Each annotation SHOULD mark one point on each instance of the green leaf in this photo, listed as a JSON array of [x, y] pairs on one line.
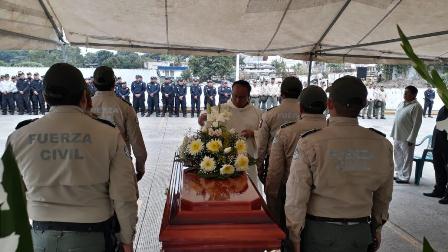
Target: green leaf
[[426, 246], [14, 220]]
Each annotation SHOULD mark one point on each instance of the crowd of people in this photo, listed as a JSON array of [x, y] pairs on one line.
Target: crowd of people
[[321, 176]]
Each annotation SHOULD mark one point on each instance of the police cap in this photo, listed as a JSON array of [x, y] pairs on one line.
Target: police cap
[[153, 78], [63, 81], [349, 91], [313, 97], [103, 76], [291, 87]]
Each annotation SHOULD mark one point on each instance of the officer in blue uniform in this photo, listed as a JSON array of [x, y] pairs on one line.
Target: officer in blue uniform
[[181, 93], [153, 97], [90, 86], [37, 96], [23, 97], [118, 86], [138, 88], [124, 92], [224, 92], [430, 94], [209, 94], [195, 93], [167, 90]]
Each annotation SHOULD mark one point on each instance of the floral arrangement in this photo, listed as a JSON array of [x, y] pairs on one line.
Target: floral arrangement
[[215, 151]]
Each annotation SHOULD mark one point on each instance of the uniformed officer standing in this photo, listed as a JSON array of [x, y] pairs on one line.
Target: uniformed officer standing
[[138, 88], [180, 93], [37, 96], [313, 102], [77, 172], [272, 93], [7, 88], [153, 97], [255, 94], [167, 91], [124, 92], [224, 92], [23, 97], [272, 120], [91, 87], [195, 93], [209, 94], [109, 107], [264, 94], [341, 177], [118, 84]]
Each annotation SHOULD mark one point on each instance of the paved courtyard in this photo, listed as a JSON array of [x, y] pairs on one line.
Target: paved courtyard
[[412, 216]]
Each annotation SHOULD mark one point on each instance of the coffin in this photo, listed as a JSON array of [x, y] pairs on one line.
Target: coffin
[[216, 215]]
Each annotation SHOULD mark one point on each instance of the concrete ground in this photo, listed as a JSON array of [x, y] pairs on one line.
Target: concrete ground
[[412, 216]]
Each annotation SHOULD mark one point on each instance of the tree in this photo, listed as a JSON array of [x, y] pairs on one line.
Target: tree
[[2, 63], [186, 75], [28, 64], [212, 67], [280, 68]]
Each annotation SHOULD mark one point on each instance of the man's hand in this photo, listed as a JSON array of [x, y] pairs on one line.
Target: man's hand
[[36, 93], [296, 247], [21, 92], [202, 118], [195, 97], [127, 247], [137, 95], [410, 144], [181, 97], [166, 95], [151, 94], [247, 133], [375, 245], [140, 175]]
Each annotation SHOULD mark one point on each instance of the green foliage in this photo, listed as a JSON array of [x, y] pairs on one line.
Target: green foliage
[[28, 64], [432, 77], [426, 246], [14, 220], [280, 68], [335, 67], [186, 74], [2, 63], [212, 67]]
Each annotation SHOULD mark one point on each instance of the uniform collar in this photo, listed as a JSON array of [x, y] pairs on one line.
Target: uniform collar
[[230, 104], [66, 109], [343, 121], [312, 116], [405, 103], [104, 93], [289, 100]]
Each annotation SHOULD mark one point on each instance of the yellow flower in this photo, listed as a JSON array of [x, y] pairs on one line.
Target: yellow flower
[[227, 169], [195, 147], [208, 164], [242, 163], [241, 147], [214, 145]]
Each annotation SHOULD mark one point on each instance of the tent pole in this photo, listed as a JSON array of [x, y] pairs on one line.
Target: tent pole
[[310, 62], [237, 67]]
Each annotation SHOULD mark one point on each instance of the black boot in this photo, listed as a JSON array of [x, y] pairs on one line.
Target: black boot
[[435, 194], [444, 200]]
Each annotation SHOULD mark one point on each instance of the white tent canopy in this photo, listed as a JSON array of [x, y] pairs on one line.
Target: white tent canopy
[[358, 31]]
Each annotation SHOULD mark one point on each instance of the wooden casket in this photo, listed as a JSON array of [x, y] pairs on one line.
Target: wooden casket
[[216, 215]]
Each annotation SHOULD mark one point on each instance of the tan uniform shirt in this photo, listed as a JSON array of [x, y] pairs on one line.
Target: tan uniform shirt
[[282, 150], [341, 171], [76, 169], [288, 111], [109, 107]]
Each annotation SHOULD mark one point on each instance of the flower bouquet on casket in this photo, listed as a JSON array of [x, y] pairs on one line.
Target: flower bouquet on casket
[[215, 151]]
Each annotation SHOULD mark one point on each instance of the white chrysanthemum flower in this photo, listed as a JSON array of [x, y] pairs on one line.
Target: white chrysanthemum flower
[[227, 170], [195, 147], [214, 145], [215, 124], [242, 163], [208, 164], [232, 131], [227, 150]]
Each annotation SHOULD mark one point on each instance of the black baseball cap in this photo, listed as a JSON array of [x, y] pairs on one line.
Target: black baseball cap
[[291, 86], [313, 97], [103, 76], [349, 91]]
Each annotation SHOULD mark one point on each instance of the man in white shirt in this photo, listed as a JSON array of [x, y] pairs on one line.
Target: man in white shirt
[[6, 88], [255, 94], [273, 93], [408, 120], [380, 102], [368, 108]]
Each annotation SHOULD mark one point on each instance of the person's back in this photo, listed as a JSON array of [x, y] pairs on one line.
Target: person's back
[[76, 170], [109, 107]]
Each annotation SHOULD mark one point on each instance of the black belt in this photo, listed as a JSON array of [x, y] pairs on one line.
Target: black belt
[[340, 220], [70, 226]]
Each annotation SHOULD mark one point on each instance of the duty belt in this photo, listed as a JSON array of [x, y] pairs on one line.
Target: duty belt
[[339, 221]]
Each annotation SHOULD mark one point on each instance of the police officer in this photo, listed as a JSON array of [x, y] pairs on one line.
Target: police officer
[[117, 87], [430, 94], [37, 96], [272, 120], [23, 96], [313, 102], [138, 88], [255, 94], [90, 86], [153, 97], [7, 88], [195, 92], [124, 91], [209, 94], [109, 107], [224, 92], [167, 91], [180, 94], [76, 171], [341, 177]]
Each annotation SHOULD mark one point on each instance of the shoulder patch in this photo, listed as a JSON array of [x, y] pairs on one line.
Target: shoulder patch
[[24, 123], [105, 122], [271, 108], [309, 132], [128, 103], [287, 124], [378, 132]]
